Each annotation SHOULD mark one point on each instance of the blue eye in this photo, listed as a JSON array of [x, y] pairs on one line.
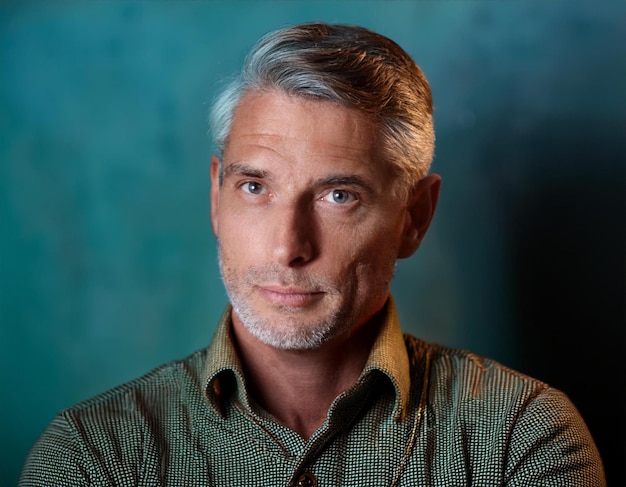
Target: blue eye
[[339, 196], [253, 187]]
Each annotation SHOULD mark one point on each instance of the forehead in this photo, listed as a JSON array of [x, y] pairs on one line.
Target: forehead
[[297, 128]]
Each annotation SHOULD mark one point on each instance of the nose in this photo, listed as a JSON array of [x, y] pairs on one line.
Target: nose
[[294, 235]]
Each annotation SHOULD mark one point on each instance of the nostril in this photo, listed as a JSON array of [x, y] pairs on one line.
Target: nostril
[[298, 261]]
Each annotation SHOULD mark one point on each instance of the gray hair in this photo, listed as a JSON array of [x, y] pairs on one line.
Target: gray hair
[[353, 67]]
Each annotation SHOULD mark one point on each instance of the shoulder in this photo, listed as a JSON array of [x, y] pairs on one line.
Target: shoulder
[[505, 421], [118, 428], [456, 375], [152, 390], [472, 376]]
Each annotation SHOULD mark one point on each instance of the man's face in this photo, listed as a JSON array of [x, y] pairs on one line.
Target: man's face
[[307, 224]]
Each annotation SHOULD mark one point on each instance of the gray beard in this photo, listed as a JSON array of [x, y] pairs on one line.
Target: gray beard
[[292, 337]]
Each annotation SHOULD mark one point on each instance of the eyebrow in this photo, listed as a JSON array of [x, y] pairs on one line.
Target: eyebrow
[[345, 180], [240, 169]]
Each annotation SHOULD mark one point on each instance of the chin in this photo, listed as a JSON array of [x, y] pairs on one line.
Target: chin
[[292, 332]]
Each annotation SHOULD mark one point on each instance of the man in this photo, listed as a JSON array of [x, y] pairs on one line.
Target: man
[[321, 184]]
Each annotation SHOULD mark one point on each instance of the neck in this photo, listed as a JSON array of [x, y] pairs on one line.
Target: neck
[[298, 386]]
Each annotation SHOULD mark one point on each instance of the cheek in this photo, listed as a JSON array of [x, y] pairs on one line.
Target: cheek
[[366, 256], [376, 242], [380, 255], [237, 244], [238, 227]]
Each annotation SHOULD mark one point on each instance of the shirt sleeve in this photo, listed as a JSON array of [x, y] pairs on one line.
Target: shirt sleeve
[[551, 446], [55, 459]]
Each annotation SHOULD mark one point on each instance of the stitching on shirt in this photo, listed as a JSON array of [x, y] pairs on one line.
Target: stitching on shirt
[[258, 423], [418, 418]]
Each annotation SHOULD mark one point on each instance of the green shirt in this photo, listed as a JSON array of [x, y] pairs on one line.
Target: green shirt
[[418, 415]]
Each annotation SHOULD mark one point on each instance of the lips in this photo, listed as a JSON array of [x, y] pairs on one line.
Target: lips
[[292, 297]]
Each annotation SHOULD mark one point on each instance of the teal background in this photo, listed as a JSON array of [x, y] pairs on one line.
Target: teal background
[[108, 264]]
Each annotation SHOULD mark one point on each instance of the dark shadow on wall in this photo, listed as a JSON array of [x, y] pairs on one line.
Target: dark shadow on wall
[[567, 239]]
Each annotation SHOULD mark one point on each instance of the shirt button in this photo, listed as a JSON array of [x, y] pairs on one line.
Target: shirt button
[[307, 479]]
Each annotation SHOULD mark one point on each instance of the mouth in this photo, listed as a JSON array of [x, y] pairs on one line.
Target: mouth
[[292, 297]]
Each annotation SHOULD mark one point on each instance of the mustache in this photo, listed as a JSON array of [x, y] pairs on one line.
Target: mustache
[[276, 275]]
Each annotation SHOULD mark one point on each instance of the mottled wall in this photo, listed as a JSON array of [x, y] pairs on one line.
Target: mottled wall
[[107, 259]]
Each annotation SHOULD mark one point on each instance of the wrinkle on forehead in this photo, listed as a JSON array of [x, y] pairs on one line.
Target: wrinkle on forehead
[[338, 129], [308, 148]]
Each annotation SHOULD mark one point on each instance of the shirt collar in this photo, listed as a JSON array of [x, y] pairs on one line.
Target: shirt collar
[[223, 370], [389, 356]]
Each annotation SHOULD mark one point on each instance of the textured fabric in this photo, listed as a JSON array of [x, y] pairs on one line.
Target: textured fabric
[[418, 415]]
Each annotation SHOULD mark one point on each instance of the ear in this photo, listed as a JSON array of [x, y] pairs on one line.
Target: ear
[[420, 211], [215, 193]]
